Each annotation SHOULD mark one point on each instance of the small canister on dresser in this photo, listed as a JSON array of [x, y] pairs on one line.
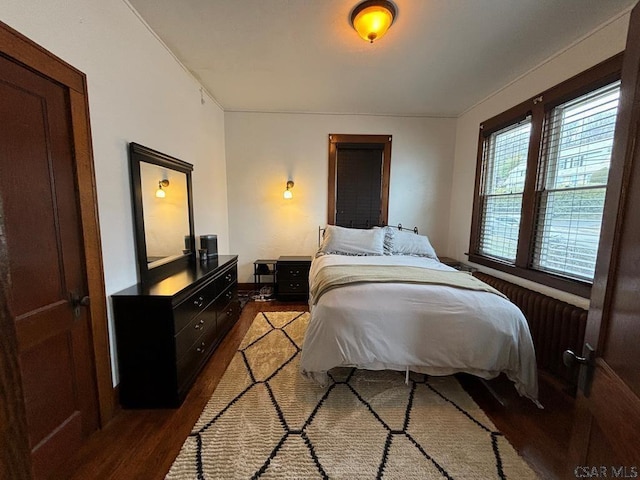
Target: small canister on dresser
[[210, 244]]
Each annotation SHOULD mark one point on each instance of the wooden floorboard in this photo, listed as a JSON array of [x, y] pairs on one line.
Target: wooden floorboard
[[541, 436], [142, 444]]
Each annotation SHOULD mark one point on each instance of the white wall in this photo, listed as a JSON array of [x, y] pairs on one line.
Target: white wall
[[591, 50], [264, 150], [137, 92]]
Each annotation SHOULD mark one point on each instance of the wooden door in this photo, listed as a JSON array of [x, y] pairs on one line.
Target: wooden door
[[46, 265], [359, 169], [605, 439]]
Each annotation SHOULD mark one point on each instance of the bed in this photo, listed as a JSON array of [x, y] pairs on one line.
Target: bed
[[380, 299]]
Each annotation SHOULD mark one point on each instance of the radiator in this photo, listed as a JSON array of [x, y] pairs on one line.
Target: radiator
[[555, 326]]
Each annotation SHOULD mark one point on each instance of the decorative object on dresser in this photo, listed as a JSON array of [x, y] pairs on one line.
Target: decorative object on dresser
[[166, 330], [210, 244], [293, 277]]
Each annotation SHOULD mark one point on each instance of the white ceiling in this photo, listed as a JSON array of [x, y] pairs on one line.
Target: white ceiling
[[439, 58]]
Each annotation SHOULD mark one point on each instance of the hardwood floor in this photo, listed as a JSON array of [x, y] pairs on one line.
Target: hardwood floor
[[541, 436], [142, 444]]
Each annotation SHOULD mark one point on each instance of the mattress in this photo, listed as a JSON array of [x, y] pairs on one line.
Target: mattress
[[426, 328]]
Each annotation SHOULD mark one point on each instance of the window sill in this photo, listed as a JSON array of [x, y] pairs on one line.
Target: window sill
[[575, 287]]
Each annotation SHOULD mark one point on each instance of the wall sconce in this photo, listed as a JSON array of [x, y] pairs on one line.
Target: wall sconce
[[160, 193], [372, 18], [287, 193]]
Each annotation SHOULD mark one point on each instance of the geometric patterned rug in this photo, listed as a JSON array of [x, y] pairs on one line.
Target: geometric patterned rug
[[265, 420]]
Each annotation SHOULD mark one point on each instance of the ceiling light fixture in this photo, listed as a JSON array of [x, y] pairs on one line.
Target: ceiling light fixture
[[372, 18]]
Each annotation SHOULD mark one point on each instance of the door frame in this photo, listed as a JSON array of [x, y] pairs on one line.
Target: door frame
[[20, 49]]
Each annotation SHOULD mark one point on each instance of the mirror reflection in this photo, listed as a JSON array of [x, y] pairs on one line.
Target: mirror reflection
[[166, 211], [162, 212]]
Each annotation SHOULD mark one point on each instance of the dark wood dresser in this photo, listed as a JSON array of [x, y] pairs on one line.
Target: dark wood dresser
[[292, 275], [166, 330]]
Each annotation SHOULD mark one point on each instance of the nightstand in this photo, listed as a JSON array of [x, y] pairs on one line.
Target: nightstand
[[292, 275], [263, 268], [457, 264]]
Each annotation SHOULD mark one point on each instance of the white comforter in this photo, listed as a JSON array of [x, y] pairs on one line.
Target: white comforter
[[432, 329]]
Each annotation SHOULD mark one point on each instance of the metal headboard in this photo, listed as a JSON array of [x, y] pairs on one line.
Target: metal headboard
[[321, 231], [414, 229]]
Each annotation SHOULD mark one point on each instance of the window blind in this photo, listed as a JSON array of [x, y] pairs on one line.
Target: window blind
[[504, 166], [359, 187], [572, 181]]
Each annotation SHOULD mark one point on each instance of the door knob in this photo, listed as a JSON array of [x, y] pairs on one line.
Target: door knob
[[570, 359], [78, 301]]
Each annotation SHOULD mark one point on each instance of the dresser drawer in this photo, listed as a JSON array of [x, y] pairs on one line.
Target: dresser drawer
[[228, 295], [188, 364], [293, 286], [193, 305], [289, 273], [222, 303], [226, 280], [188, 335], [227, 316]]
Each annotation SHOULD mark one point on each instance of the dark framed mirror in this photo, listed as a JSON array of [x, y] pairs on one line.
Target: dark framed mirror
[[162, 212]]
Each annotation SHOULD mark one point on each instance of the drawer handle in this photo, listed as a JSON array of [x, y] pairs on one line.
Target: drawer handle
[[294, 272], [200, 349], [228, 277], [229, 294], [294, 285], [199, 302], [199, 325]]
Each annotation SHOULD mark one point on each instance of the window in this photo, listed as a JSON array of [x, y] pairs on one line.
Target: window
[[505, 161], [573, 183], [542, 178]]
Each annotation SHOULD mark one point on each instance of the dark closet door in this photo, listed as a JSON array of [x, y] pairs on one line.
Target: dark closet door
[[605, 435], [46, 265]]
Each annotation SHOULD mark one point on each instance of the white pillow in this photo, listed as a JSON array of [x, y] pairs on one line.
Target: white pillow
[[352, 241], [388, 239], [409, 243]]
